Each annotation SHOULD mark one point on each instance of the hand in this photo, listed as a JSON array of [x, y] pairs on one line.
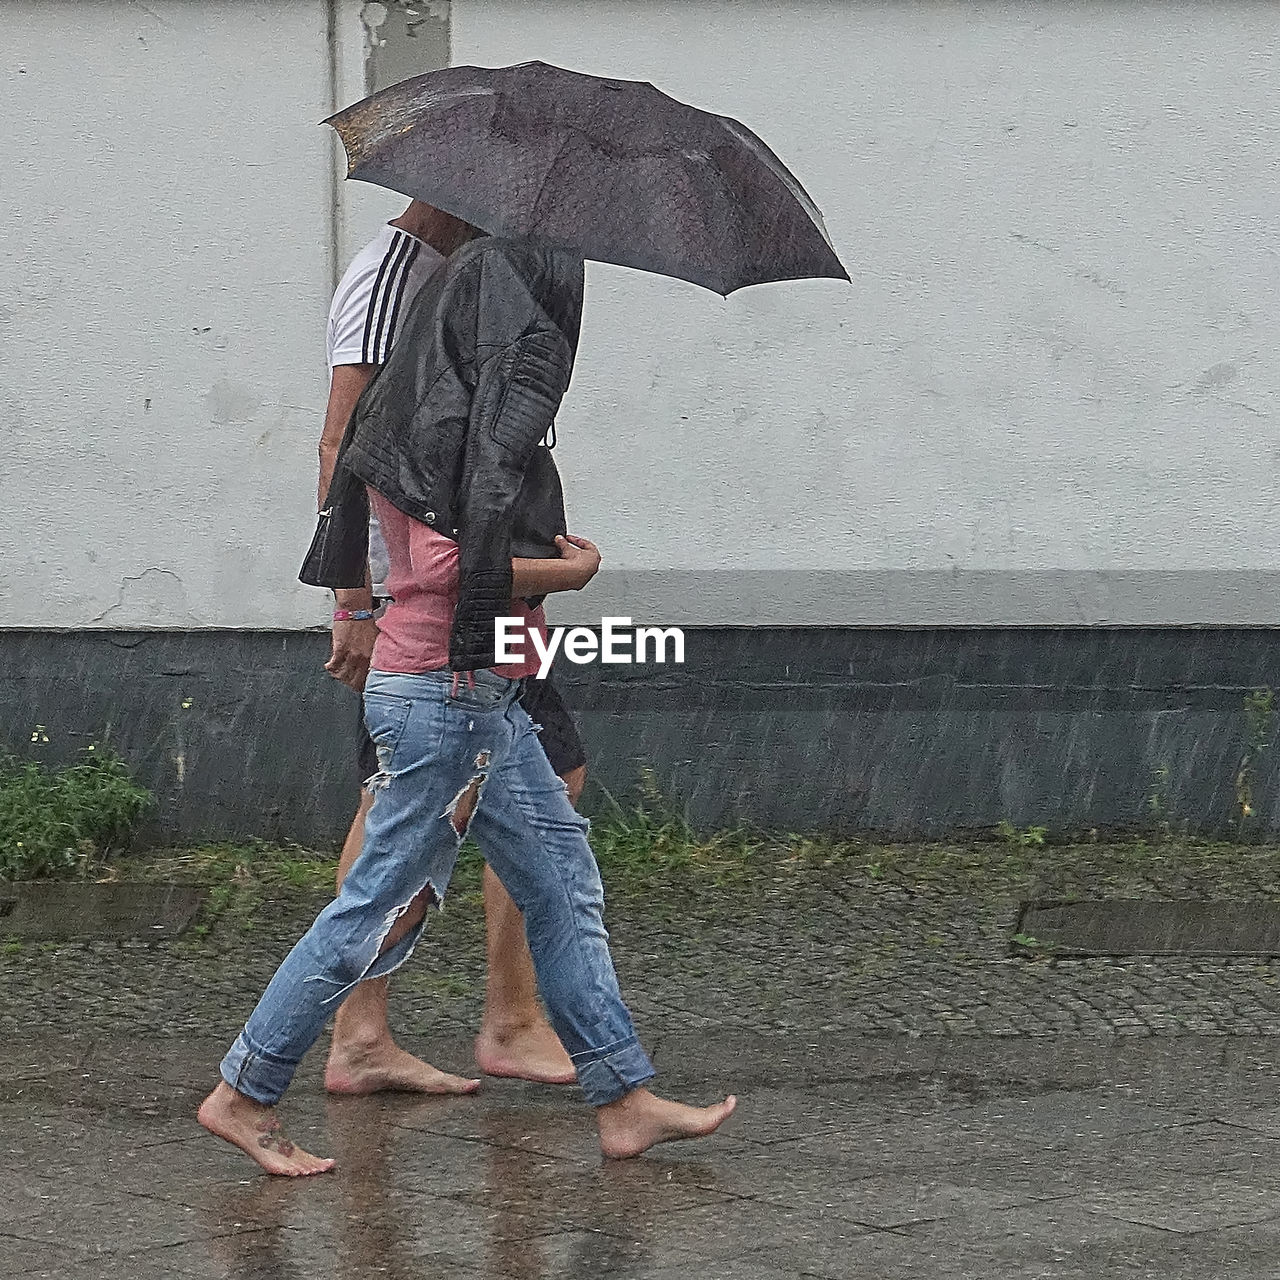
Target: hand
[[352, 650], [581, 558]]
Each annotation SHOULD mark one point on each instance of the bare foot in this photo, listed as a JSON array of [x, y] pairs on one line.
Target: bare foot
[[385, 1066], [528, 1052], [256, 1130], [641, 1120]]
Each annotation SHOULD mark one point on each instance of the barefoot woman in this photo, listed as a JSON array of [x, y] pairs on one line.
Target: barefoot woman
[[483, 362]]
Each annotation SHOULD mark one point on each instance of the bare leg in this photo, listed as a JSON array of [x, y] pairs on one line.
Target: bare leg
[[515, 1037], [642, 1120], [574, 781], [255, 1128], [363, 1058]]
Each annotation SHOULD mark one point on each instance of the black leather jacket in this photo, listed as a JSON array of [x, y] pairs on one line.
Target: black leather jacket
[[450, 429]]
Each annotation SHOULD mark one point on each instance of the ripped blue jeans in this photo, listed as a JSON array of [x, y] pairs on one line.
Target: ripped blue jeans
[[440, 749]]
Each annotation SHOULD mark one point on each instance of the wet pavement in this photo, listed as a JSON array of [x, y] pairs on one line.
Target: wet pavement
[[850, 1156], [917, 1100]]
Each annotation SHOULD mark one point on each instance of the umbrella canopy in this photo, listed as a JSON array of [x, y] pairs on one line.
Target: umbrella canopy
[[614, 170]]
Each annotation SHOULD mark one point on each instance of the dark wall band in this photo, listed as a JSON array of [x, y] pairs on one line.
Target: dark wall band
[[903, 732]]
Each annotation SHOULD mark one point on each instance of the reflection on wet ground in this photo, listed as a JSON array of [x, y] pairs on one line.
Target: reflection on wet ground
[[850, 1156], [916, 1101]]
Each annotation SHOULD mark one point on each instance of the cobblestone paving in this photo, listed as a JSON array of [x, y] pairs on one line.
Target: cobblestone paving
[[823, 951], [917, 1100]]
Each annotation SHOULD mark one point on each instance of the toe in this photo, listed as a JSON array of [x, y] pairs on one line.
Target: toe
[[455, 1084]]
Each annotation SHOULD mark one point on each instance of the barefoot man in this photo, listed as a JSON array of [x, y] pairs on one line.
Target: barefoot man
[[515, 1038], [447, 446]]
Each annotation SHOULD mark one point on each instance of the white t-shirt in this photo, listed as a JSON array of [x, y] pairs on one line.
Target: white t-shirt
[[378, 288]]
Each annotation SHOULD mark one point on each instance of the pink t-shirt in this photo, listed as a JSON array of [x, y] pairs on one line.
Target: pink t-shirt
[[422, 576]]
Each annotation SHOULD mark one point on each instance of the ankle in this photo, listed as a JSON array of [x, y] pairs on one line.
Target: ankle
[[629, 1101], [360, 1042], [510, 1026], [228, 1099]]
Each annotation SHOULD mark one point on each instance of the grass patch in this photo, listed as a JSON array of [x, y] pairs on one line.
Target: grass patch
[[648, 849], [651, 841], [638, 848], [264, 867], [240, 878], [55, 822]]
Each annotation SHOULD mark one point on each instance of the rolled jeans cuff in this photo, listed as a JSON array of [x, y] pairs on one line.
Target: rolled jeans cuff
[[606, 1077], [255, 1073]]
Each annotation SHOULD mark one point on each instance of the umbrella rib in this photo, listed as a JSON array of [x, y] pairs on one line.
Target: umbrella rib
[[546, 177]]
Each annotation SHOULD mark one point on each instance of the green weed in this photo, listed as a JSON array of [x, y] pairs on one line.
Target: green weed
[[1027, 838], [58, 821], [1259, 715], [1158, 802], [1032, 946], [650, 839]]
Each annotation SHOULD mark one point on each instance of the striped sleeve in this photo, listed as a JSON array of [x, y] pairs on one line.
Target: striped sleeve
[[366, 319]]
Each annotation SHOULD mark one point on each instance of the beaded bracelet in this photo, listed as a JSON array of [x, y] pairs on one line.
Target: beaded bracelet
[[352, 615]]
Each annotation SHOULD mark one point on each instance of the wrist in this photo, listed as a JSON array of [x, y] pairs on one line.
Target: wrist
[[353, 615], [353, 598]]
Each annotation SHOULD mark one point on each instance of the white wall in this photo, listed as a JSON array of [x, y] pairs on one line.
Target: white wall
[[165, 264], [1049, 391], [1047, 396]]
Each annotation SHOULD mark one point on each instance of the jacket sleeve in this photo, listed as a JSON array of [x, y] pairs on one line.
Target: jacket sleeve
[[516, 398]]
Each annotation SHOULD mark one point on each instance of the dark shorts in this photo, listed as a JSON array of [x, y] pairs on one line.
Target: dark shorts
[[541, 699]]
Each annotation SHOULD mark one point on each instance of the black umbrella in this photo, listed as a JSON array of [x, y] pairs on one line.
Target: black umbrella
[[614, 170]]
